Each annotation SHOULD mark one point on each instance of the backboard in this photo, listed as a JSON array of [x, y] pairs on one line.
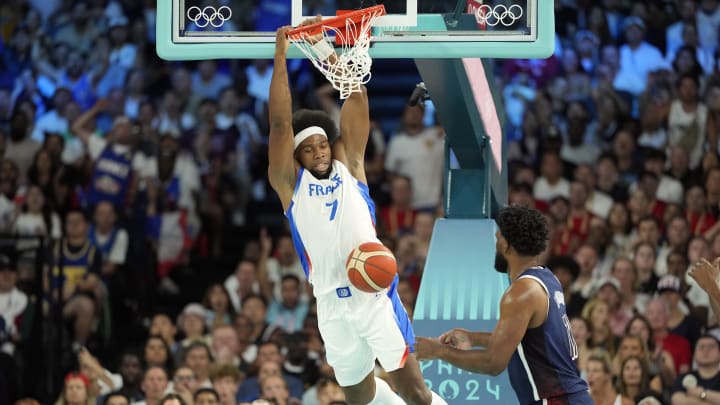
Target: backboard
[[245, 29]]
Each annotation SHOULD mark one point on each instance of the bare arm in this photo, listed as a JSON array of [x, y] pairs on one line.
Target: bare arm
[[655, 114], [481, 339], [682, 398], [266, 285], [354, 132], [281, 170], [712, 130], [517, 309], [90, 363], [707, 275], [79, 127]]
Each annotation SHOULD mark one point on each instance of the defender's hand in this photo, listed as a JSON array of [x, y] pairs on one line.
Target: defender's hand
[[458, 338], [427, 348]]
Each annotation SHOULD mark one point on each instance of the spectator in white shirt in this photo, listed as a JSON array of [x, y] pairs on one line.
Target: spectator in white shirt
[[551, 183], [243, 282], [708, 21], [687, 119], [417, 151], [598, 203], [112, 240], [673, 33], [20, 147], [669, 190], [37, 218], [273, 266], [695, 58], [123, 52], [54, 120], [637, 58], [13, 303], [207, 82]]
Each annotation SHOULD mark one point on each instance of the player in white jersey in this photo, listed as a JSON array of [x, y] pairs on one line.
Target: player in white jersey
[[320, 179]]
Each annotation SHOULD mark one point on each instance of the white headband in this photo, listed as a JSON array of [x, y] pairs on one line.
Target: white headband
[[308, 132]]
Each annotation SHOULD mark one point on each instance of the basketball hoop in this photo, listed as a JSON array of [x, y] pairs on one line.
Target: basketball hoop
[[349, 69]]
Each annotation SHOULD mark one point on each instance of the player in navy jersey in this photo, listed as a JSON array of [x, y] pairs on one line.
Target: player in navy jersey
[[532, 338]]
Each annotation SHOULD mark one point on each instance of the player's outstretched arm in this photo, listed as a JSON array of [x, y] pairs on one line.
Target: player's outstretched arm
[[516, 310], [281, 170], [354, 132]]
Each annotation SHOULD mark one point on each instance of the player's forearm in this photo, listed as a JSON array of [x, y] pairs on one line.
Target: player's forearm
[[481, 339], [477, 361], [280, 105]]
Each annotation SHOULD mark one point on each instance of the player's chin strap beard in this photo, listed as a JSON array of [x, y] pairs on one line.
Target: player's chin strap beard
[[321, 176]]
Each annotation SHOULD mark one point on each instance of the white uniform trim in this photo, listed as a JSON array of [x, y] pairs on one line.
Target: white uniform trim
[[547, 312], [531, 380], [307, 133]]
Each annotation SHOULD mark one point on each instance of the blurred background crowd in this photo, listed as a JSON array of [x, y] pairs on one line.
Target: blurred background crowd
[[142, 252]]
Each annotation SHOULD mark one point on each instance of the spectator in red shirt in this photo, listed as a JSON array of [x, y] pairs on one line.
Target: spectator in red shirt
[[398, 217], [657, 313]]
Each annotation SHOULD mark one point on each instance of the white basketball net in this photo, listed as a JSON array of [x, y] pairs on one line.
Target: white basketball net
[[350, 69]]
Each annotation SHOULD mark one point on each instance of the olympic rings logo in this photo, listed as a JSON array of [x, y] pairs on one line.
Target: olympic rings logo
[[500, 14], [209, 16]]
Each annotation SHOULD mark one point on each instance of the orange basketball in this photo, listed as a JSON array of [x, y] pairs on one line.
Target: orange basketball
[[371, 267]]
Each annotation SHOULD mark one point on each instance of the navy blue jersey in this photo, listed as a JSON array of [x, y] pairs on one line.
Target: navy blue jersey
[[543, 369], [111, 177]]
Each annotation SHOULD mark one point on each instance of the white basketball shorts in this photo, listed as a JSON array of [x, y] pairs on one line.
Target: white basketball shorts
[[359, 327]]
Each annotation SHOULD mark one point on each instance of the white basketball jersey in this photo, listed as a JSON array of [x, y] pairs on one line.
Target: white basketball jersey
[[328, 219]]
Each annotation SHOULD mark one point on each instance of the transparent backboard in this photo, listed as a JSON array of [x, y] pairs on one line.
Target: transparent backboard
[[245, 29]]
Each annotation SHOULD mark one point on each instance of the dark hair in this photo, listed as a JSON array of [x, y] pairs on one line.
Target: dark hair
[[646, 173], [290, 277], [608, 156], [206, 297], [525, 229], [170, 396], [129, 352], [195, 345], [79, 211], [644, 380], [255, 296], [649, 218], [169, 361], [46, 210], [564, 262], [707, 336], [210, 391], [115, 394], [655, 154], [695, 72], [521, 187], [219, 371], [304, 118], [651, 341]]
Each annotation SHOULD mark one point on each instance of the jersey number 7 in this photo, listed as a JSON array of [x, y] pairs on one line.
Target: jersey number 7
[[334, 205]]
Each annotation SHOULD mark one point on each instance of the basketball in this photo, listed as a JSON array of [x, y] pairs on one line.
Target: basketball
[[371, 267]]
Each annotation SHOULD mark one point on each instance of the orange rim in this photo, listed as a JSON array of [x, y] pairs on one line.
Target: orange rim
[[338, 22]]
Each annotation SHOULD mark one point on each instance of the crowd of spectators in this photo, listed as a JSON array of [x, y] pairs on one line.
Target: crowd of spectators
[[120, 171]]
